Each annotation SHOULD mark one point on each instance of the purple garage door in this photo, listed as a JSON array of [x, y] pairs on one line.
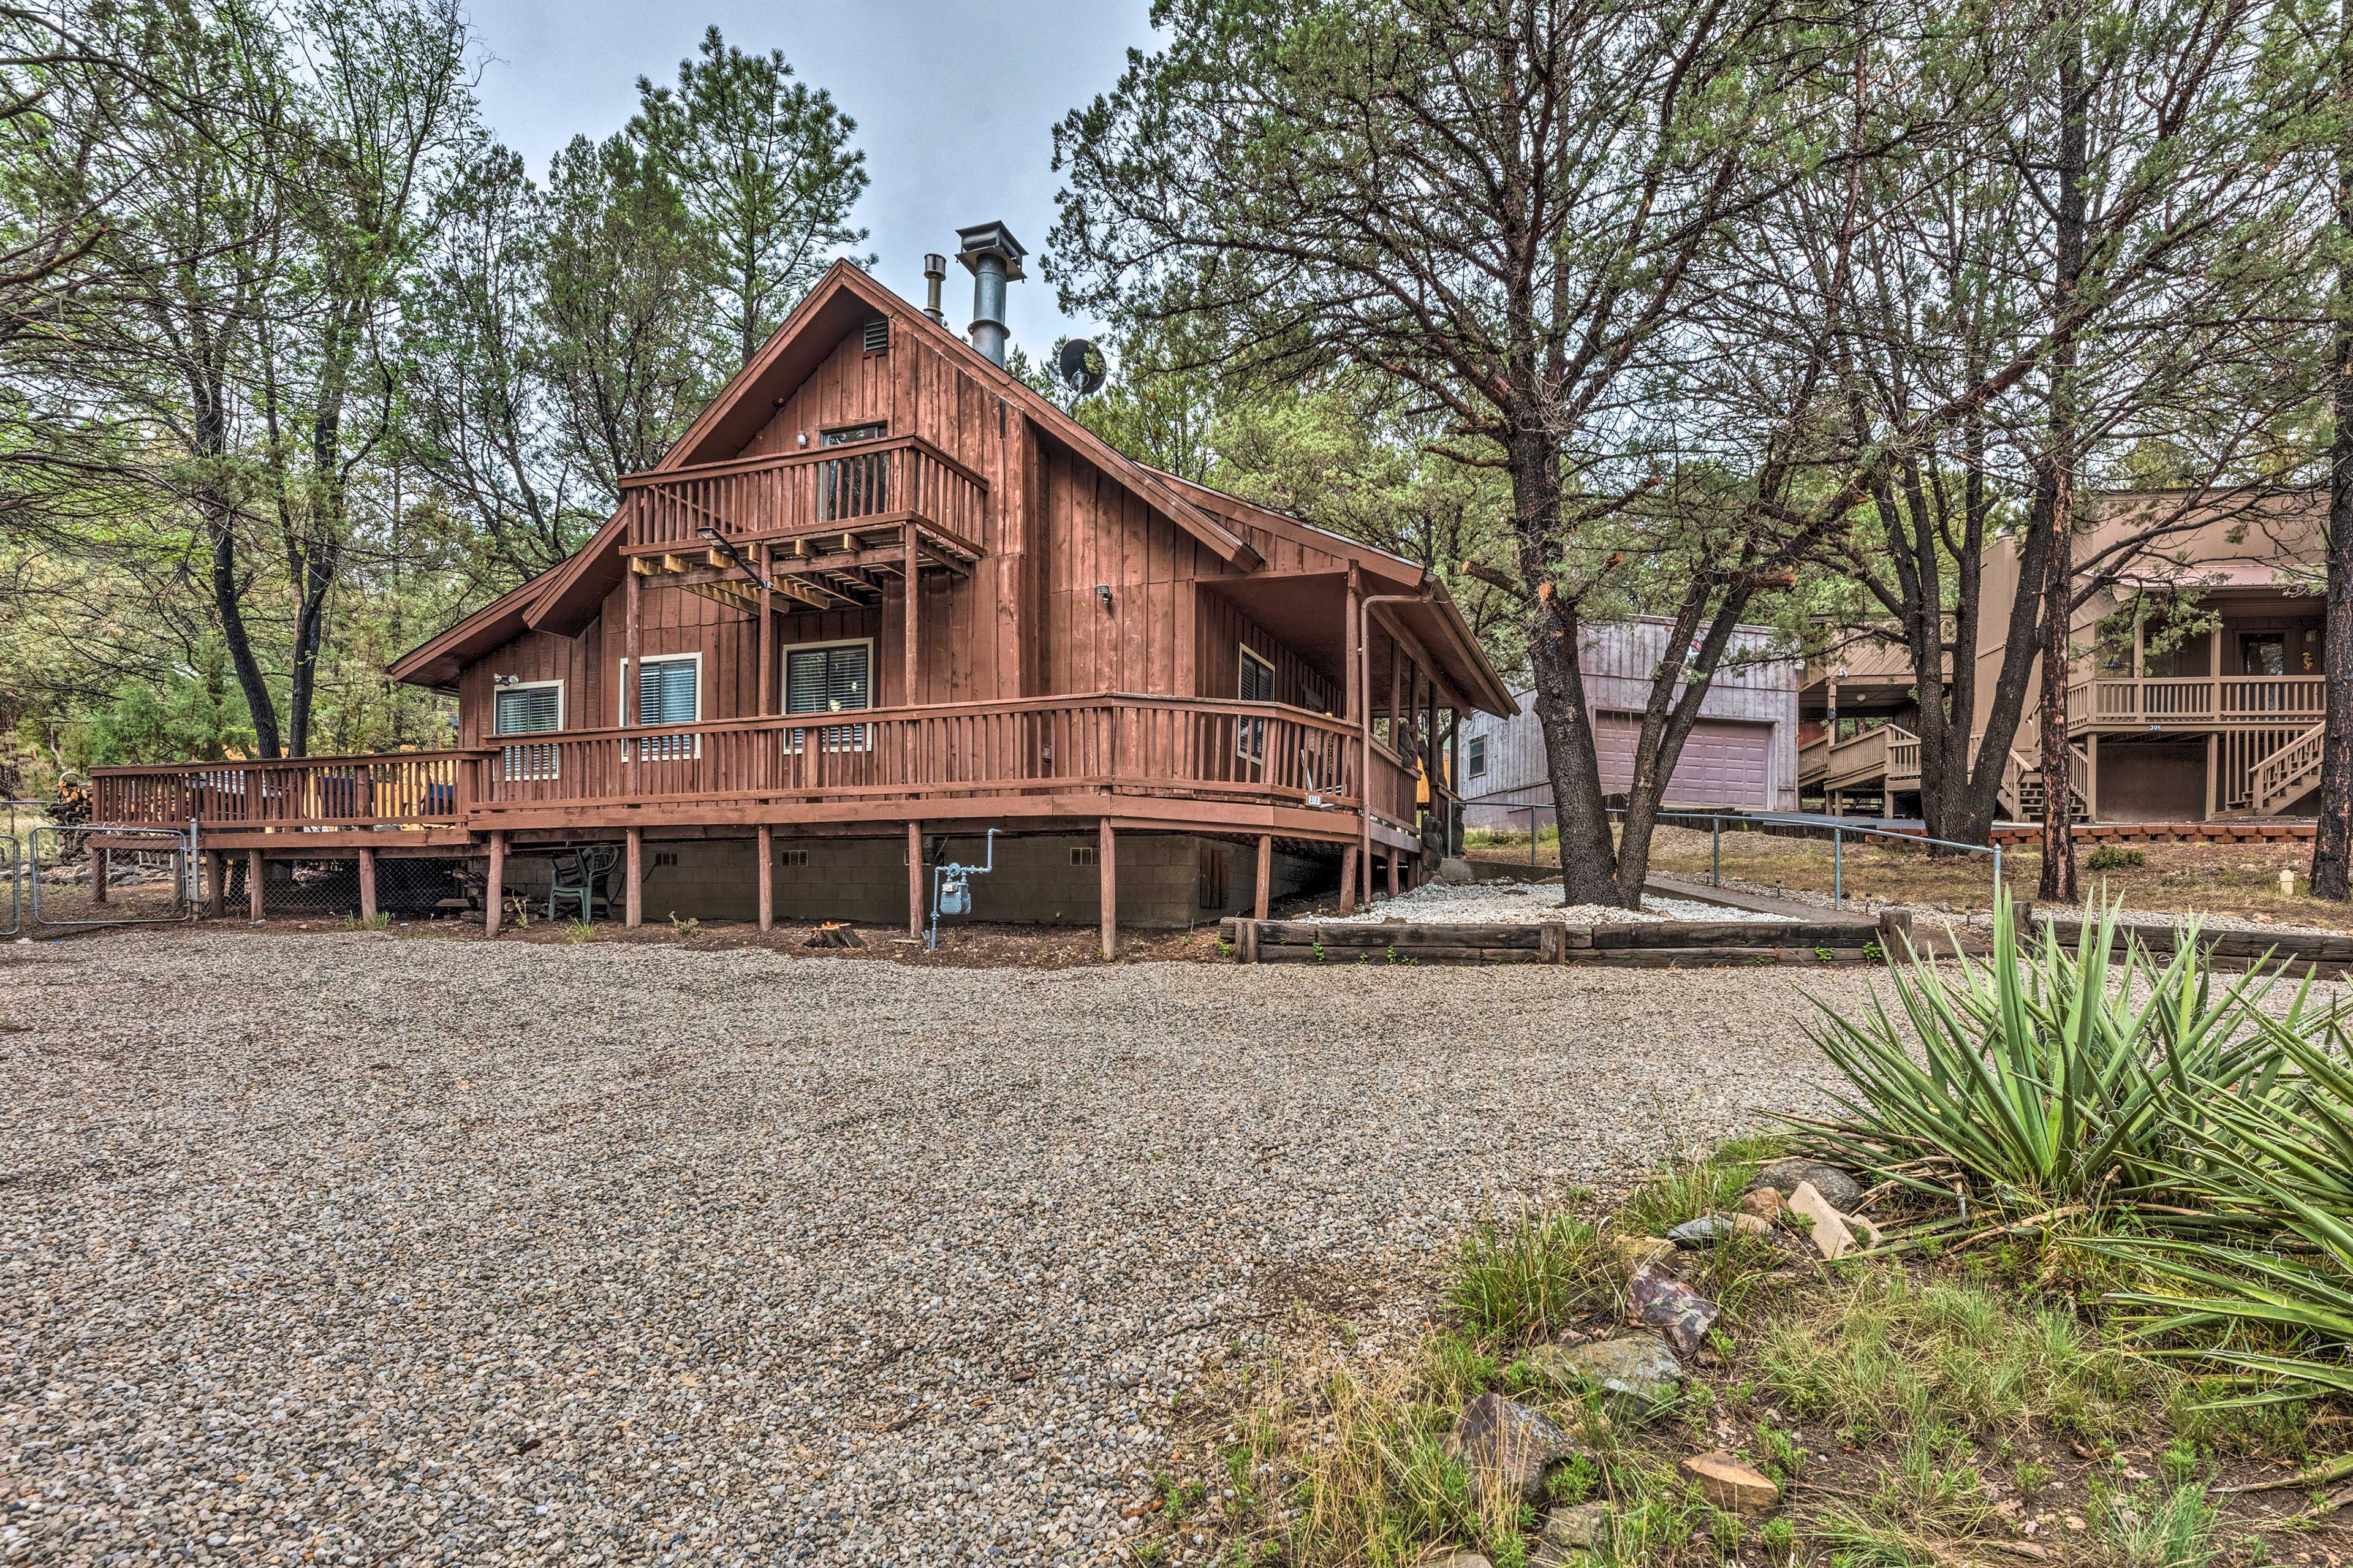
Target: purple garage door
[[1724, 763]]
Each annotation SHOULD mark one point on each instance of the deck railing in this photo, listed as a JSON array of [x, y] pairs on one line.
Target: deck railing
[[1885, 752], [869, 483], [1135, 743], [400, 790], [2196, 700]]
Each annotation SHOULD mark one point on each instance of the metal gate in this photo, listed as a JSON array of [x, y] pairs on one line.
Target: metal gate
[[97, 876], [12, 911]]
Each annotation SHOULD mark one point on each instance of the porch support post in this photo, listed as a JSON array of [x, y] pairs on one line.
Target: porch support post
[[768, 695], [1265, 874], [764, 837], [633, 876], [494, 889], [1107, 872], [253, 884], [2092, 776], [632, 635], [1348, 880], [913, 594], [97, 875], [915, 878], [1393, 856], [368, 886], [216, 884], [2213, 774]]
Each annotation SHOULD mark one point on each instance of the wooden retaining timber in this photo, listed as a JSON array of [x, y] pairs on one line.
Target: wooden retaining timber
[[1688, 944]]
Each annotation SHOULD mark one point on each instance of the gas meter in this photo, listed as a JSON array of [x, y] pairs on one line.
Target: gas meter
[[952, 890]]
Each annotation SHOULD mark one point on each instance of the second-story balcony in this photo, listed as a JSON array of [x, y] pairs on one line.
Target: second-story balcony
[[2195, 702]]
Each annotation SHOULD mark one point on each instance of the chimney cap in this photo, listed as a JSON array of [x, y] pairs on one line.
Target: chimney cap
[[934, 265], [990, 238]]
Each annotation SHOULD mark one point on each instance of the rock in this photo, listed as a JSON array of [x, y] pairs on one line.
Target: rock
[[1640, 1366], [1764, 1202], [1841, 1190], [1456, 871], [1829, 1232], [1633, 1253], [1660, 1301], [1727, 1483], [1706, 1231], [1865, 1230], [1749, 1224], [1509, 1441], [1567, 1530], [1460, 1559]]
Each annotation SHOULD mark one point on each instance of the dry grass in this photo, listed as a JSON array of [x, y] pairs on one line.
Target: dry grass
[[2236, 879]]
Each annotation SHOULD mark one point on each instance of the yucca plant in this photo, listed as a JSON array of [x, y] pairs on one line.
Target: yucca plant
[[2297, 1134], [2050, 1079]]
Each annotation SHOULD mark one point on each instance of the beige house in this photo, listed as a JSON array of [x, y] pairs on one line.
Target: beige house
[[2196, 690]]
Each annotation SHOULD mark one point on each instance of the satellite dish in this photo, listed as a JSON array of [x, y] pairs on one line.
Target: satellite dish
[[1082, 366]]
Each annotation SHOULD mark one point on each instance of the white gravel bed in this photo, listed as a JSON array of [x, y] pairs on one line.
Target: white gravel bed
[[384, 1251], [1527, 903]]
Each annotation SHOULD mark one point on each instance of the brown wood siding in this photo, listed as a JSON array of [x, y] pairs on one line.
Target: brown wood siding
[[535, 656], [1222, 632]]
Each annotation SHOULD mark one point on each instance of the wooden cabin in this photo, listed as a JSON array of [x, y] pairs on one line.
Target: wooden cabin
[[881, 597]]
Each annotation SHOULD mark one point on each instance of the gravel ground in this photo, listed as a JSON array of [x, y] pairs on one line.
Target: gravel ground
[[1525, 903], [377, 1251]]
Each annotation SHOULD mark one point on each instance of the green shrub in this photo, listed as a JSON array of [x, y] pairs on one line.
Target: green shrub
[[2113, 858], [1528, 1278]]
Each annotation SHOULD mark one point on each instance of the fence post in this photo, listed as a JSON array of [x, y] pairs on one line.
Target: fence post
[[1715, 849], [1837, 867]]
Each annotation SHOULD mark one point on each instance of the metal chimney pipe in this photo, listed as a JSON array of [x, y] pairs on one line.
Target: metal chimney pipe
[[935, 272], [994, 258]]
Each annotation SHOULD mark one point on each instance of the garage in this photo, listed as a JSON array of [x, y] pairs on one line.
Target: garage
[[1726, 762]]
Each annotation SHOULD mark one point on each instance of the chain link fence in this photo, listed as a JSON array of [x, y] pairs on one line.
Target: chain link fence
[[324, 887], [94, 876]]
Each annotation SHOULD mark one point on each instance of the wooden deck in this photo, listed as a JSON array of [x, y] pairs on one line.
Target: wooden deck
[[1157, 761]]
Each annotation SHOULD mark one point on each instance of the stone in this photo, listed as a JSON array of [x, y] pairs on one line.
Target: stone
[[1841, 1190], [1566, 1530], [1750, 1225], [1865, 1230], [1831, 1236], [1706, 1231], [1514, 1442], [1460, 1560], [1638, 1366], [1633, 1253], [1456, 871], [1764, 1202], [1727, 1483], [1658, 1300]]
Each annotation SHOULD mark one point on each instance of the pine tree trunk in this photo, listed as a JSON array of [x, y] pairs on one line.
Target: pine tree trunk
[[2057, 482], [2332, 843]]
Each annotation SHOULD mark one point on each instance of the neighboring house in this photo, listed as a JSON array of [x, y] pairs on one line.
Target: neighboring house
[[1742, 755], [1156, 689], [2225, 722]]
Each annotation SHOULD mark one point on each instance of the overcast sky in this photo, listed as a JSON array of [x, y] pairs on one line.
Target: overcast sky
[[956, 102]]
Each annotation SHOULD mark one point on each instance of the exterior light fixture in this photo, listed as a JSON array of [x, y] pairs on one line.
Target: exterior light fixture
[[1102, 591]]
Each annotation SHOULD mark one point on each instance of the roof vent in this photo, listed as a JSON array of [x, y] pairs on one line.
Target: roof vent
[[994, 258], [878, 335]]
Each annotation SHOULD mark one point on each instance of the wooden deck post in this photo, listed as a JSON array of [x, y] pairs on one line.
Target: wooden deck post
[[765, 838], [633, 870], [913, 595], [97, 875], [253, 884], [216, 884], [494, 888], [367, 887], [1107, 872], [1348, 880], [1393, 858], [631, 637], [1265, 874], [2091, 776], [769, 694], [915, 878], [2213, 774]]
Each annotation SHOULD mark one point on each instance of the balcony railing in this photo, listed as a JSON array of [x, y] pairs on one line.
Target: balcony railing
[[869, 485], [2196, 700], [407, 789], [1885, 752]]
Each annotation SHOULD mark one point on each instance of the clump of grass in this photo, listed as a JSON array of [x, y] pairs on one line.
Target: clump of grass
[[1698, 1184], [580, 931], [2152, 1526], [1899, 1357], [1528, 1277]]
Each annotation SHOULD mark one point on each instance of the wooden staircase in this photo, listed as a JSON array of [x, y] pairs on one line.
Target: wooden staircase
[[2282, 774], [2021, 787]]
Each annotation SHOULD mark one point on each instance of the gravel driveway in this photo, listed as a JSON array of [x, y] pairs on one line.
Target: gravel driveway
[[378, 1251]]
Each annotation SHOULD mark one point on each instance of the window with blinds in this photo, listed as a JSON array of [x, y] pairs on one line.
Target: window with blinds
[[1474, 757], [1257, 686], [835, 678], [529, 711], [669, 693]]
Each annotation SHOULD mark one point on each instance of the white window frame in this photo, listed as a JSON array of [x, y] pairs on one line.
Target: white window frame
[[1249, 734], [507, 759], [863, 737], [1474, 759], [621, 699]]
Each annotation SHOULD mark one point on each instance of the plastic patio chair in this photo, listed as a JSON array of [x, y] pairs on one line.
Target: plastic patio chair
[[580, 877]]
